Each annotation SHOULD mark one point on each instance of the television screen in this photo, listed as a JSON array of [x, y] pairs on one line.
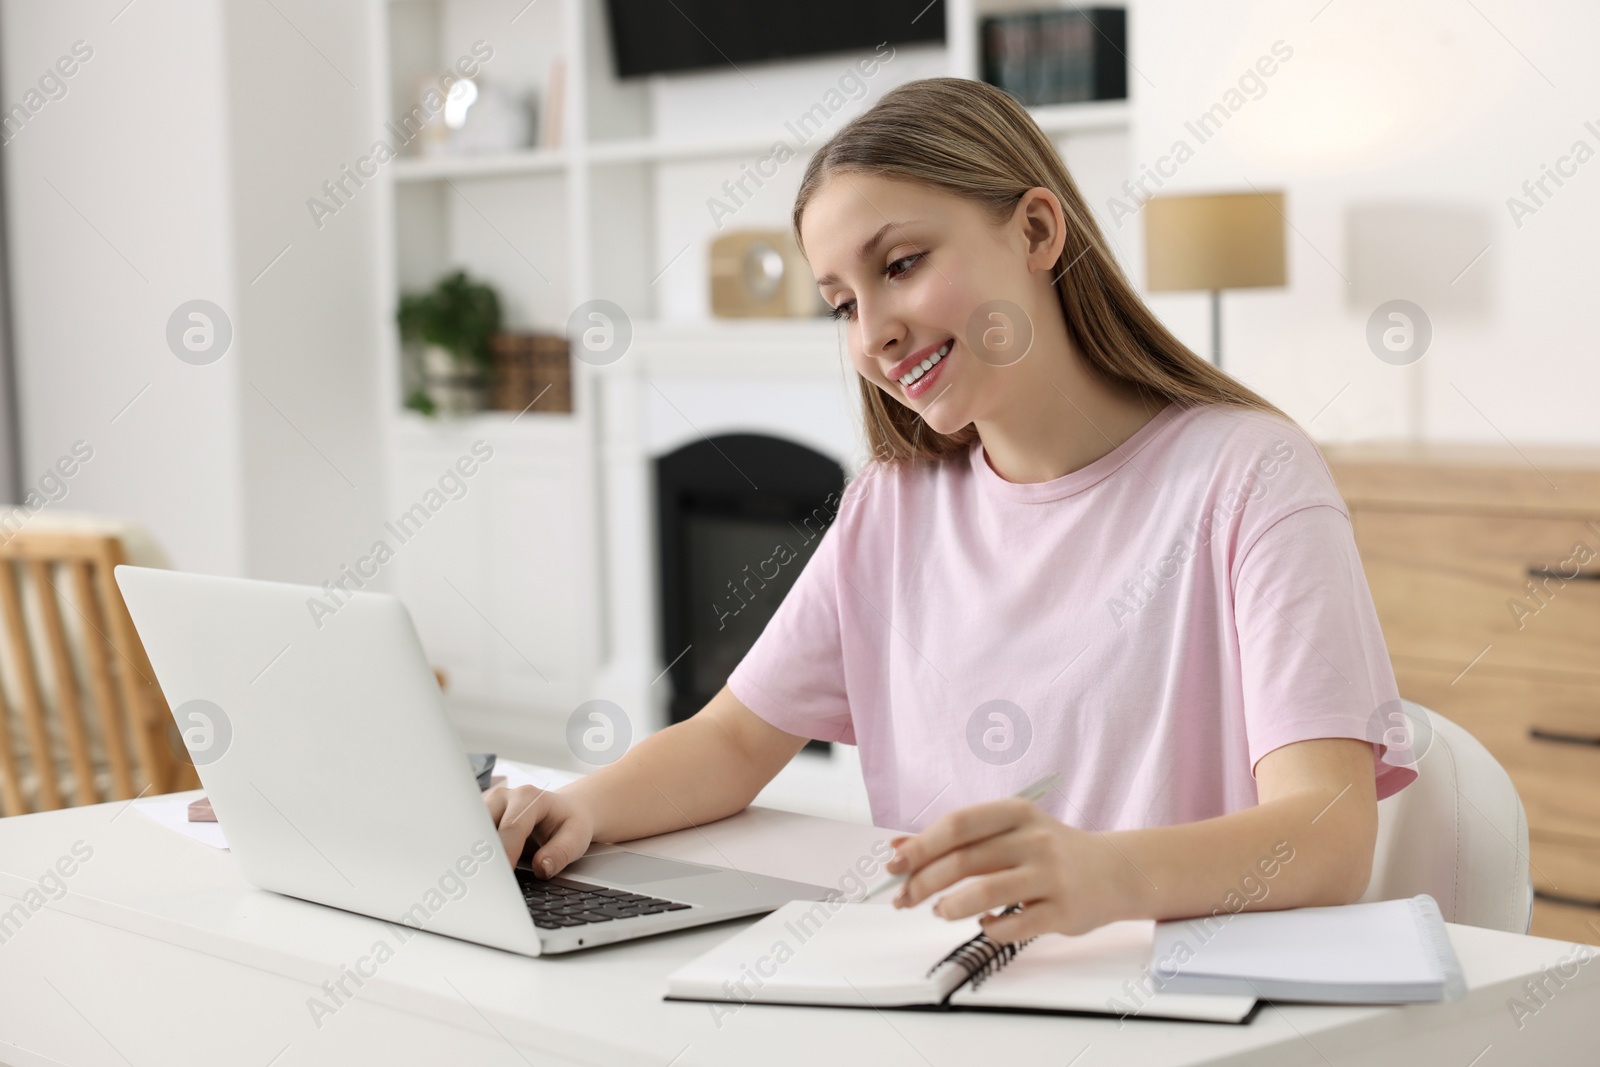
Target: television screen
[[657, 36]]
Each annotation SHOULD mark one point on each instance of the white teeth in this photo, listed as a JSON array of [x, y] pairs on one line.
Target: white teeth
[[925, 366]]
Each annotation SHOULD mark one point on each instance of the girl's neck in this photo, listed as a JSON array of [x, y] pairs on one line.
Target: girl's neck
[[1060, 417]]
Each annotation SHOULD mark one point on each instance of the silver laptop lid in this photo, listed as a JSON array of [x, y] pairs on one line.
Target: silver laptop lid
[[323, 744]]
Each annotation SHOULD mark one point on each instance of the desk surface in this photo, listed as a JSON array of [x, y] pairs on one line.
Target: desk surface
[[160, 953]]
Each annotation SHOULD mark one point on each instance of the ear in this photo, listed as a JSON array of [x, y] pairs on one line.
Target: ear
[[1043, 226]]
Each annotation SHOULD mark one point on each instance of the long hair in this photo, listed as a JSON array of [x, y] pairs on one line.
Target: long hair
[[975, 141]]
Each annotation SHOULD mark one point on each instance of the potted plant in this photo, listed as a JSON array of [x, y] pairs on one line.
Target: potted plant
[[453, 321]]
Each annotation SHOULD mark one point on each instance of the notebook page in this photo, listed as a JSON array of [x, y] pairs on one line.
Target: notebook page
[[1101, 971], [807, 953], [1384, 943]]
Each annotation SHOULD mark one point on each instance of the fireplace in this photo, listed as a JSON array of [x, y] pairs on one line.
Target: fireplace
[[738, 517]]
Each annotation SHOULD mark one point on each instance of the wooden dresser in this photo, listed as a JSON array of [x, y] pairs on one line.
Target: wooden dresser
[[1465, 549]]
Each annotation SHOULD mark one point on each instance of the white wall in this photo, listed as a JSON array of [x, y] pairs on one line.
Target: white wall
[[1448, 104], [118, 205], [310, 402], [181, 157]]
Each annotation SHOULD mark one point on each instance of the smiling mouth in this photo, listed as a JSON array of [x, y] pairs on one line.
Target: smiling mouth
[[920, 369]]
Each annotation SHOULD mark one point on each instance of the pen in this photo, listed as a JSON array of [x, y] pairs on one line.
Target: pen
[[1035, 791]]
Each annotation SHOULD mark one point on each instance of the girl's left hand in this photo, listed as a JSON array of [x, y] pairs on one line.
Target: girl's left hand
[[1067, 880]]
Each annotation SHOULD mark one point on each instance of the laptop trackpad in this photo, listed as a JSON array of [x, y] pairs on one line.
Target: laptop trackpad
[[632, 868]]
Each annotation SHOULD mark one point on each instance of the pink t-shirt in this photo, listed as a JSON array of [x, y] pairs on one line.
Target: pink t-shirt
[[1150, 625]]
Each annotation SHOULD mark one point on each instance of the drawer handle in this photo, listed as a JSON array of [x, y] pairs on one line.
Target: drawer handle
[[1543, 571], [1557, 898], [1537, 734]]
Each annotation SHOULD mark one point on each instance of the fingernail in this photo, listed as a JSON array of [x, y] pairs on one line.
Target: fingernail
[[545, 865]]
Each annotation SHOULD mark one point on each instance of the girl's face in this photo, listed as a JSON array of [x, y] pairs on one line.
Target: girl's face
[[919, 275]]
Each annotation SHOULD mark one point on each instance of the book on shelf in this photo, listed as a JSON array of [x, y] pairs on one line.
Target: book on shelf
[[531, 371], [555, 105]]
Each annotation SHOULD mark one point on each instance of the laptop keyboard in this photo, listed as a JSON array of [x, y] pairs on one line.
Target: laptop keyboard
[[554, 906]]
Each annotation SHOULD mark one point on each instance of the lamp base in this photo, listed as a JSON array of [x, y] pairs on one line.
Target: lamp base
[[1216, 328]]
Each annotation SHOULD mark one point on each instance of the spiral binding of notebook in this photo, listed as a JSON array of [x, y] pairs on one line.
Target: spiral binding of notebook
[[981, 956]]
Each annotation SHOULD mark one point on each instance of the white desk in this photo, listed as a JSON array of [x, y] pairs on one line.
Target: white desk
[[160, 954]]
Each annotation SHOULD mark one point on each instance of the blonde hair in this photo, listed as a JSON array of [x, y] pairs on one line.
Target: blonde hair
[[975, 141]]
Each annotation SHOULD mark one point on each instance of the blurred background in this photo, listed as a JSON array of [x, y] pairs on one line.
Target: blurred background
[[491, 303]]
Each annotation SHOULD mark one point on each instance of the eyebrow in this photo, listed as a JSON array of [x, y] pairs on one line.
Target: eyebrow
[[868, 246]]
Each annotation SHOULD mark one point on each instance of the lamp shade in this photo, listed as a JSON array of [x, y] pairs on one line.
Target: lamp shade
[[1216, 241]]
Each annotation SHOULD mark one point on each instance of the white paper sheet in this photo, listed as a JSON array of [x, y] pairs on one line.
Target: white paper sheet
[[172, 811]]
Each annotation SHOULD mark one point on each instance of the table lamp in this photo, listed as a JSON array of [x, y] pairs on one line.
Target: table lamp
[[1214, 242]]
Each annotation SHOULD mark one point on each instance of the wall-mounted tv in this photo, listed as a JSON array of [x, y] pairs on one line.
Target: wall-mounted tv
[[657, 36]]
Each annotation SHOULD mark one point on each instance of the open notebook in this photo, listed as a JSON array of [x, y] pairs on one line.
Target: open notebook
[[872, 955]]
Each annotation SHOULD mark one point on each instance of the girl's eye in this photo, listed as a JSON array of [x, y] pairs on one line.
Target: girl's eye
[[911, 259], [843, 311]]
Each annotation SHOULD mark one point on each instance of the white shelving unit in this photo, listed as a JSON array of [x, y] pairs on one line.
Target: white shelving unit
[[507, 589]]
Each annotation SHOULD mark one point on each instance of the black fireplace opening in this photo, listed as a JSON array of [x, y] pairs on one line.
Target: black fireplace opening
[[739, 516]]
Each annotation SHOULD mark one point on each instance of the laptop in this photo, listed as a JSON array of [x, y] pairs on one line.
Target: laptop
[[323, 744]]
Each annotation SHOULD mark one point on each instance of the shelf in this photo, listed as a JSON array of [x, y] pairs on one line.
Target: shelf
[[563, 429], [652, 150], [1054, 119], [481, 165]]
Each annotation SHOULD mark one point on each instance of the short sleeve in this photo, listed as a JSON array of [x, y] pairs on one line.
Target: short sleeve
[[794, 674], [1313, 662]]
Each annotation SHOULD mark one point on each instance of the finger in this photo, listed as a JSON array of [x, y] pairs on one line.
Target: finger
[[495, 800], [521, 801], [1019, 926], [962, 827], [564, 846], [993, 854], [1017, 885], [1031, 922], [498, 798], [522, 814]]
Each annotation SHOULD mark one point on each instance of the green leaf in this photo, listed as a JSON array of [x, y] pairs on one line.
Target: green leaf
[[458, 314], [419, 401]]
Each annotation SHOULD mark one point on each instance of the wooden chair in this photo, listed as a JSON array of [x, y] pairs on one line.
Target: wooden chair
[[74, 677]]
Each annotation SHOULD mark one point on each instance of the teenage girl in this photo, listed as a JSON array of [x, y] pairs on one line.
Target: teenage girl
[[1078, 548]]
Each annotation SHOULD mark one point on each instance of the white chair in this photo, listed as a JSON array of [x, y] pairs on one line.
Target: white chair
[[1457, 833]]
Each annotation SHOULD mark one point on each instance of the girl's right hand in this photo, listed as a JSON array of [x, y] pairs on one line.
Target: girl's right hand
[[562, 825]]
